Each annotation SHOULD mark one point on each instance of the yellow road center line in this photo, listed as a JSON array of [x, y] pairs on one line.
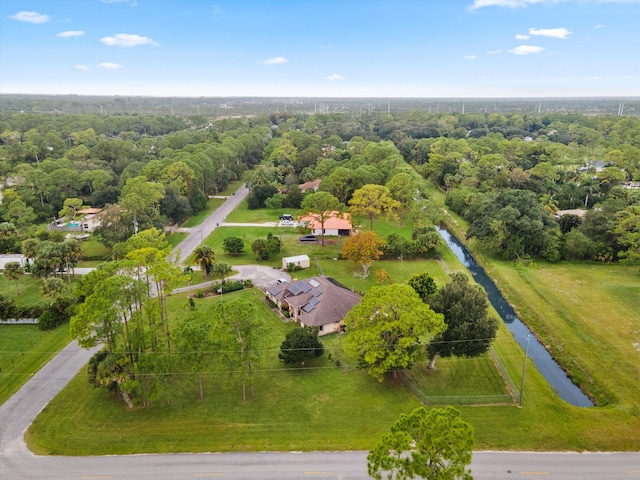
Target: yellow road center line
[[534, 473], [634, 472]]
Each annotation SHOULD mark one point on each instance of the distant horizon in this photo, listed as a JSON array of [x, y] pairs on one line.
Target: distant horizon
[[585, 97]]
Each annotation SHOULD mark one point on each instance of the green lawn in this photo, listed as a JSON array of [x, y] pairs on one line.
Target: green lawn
[[29, 287], [236, 184], [197, 219], [321, 407], [175, 238], [93, 253], [587, 313], [23, 351]]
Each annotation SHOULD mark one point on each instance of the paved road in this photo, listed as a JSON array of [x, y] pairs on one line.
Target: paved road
[[198, 234], [17, 413], [327, 465]]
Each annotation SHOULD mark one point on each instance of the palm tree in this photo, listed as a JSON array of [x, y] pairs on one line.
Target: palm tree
[[13, 271], [205, 257], [52, 287]]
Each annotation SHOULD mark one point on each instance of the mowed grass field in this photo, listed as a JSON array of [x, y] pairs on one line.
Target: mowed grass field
[[589, 317], [321, 407], [23, 351]]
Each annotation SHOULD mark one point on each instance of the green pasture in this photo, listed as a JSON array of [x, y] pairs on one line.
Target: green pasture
[[589, 316], [23, 351]]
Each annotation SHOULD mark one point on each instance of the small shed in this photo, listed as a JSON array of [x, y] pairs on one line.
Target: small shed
[[301, 261]]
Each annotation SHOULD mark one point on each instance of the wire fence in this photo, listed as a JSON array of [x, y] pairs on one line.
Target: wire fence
[[511, 398]]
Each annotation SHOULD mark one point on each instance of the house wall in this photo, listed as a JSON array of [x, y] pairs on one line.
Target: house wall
[[306, 263], [328, 232], [4, 259], [328, 328]]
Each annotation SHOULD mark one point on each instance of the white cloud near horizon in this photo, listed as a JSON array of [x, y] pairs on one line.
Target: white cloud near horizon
[[470, 57], [520, 36], [524, 3], [128, 40], [526, 49], [334, 77], [132, 2], [275, 61], [109, 66], [550, 32], [82, 68], [30, 17], [70, 34]]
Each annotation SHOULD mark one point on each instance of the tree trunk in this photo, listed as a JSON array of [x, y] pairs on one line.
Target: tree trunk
[[127, 399], [432, 361]]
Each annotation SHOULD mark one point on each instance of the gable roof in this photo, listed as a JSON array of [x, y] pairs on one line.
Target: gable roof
[[310, 185], [321, 300], [335, 221]]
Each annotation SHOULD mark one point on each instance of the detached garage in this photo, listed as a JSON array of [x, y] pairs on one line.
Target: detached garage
[[301, 261]]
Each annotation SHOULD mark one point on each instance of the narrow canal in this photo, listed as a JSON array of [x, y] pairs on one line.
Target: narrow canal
[[547, 366]]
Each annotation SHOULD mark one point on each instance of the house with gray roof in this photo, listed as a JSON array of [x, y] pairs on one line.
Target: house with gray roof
[[316, 302]]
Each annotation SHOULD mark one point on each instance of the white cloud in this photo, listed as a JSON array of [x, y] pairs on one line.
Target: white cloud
[[524, 3], [599, 26], [470, 57], [81, 67], [334, 77], [550, 32], [30, 17], [70, 33], [494, 52], [128, 40], [499, 3], [522, 37], [525, 49], [109, 66], [274, 61]]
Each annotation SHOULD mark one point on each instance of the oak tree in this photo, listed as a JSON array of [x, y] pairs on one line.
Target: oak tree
[[386, 330], [469, 328]]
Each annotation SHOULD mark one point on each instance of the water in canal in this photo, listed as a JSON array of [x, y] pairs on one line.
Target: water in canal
[[547, 366]]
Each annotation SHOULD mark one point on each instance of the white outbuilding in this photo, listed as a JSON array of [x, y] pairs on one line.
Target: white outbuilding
[[13, 257], [301, 261]]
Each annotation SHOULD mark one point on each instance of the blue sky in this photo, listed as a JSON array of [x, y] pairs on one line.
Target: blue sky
[[321, 48]]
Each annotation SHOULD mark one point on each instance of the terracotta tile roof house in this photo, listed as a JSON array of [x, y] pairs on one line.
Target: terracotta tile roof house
[[316, 302], [313, 185], [336, 224]]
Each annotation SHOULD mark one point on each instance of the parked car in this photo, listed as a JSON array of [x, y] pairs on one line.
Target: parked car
[[308, 238], [286, 216], [282, 281]]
